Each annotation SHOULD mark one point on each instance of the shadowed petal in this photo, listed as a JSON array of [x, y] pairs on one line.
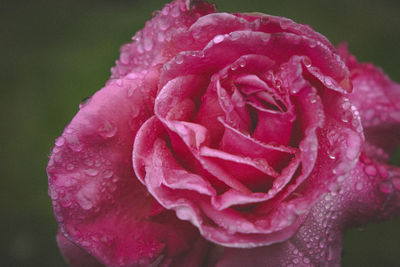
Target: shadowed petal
[[378, 100], [74, 255], [370, 193]]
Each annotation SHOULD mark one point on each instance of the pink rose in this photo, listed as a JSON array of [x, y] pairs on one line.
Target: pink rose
[[228, 140]]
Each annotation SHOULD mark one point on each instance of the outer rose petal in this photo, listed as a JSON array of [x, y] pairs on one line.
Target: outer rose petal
[[378, 100], [99, 203], [363, 197], [74, 255], [162, 38]]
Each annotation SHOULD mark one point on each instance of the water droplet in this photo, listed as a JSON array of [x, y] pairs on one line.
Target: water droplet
[[84, 102], [306, 260], [108, 174], [91, 172], [383, 171], [160, 37], [307, 62], [165, 10], [342, 168], [370, 170], [179, 59], [124, 58], [164, 23], [241, 62], [60, 141], [139, 48], [359, 186], [265, 38], [74, 143], [296, 260], [385, 187], [175, 12], [148, 44], [234, 66], [108, 130], [217, 39], [52, 193], [235, 35]]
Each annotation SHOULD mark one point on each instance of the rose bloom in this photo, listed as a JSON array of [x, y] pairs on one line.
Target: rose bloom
[[226, 140]]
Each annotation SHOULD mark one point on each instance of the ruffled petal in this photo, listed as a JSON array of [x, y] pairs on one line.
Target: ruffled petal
[[224, 49], [378, 100], [162, 37], [275, 24], [370, 193]]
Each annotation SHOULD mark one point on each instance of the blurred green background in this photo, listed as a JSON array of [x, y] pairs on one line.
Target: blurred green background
[[55, 53]]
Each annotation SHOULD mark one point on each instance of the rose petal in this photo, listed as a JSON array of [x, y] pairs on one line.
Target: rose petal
[[93, 187], [363, 196], [154, 162], [238, 143], [211, 25], [162, 37], [74, 255], [377, 98], [281, 47], [275, 24]]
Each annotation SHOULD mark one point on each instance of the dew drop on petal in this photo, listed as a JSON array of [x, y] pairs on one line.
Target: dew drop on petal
[[60, 141], [241, 62], [179, 59], [385, 186], [359, 186], [74, 143], [370, 170], [124, 58], [91, 172], [108, 130], [307, 62], [148, 44], [175, 12], [217, 39], [164, 23]]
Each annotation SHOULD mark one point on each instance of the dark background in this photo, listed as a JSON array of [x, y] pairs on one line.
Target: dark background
[[55, 53]]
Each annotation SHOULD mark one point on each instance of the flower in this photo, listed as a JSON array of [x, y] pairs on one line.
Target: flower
[[225, 139]]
